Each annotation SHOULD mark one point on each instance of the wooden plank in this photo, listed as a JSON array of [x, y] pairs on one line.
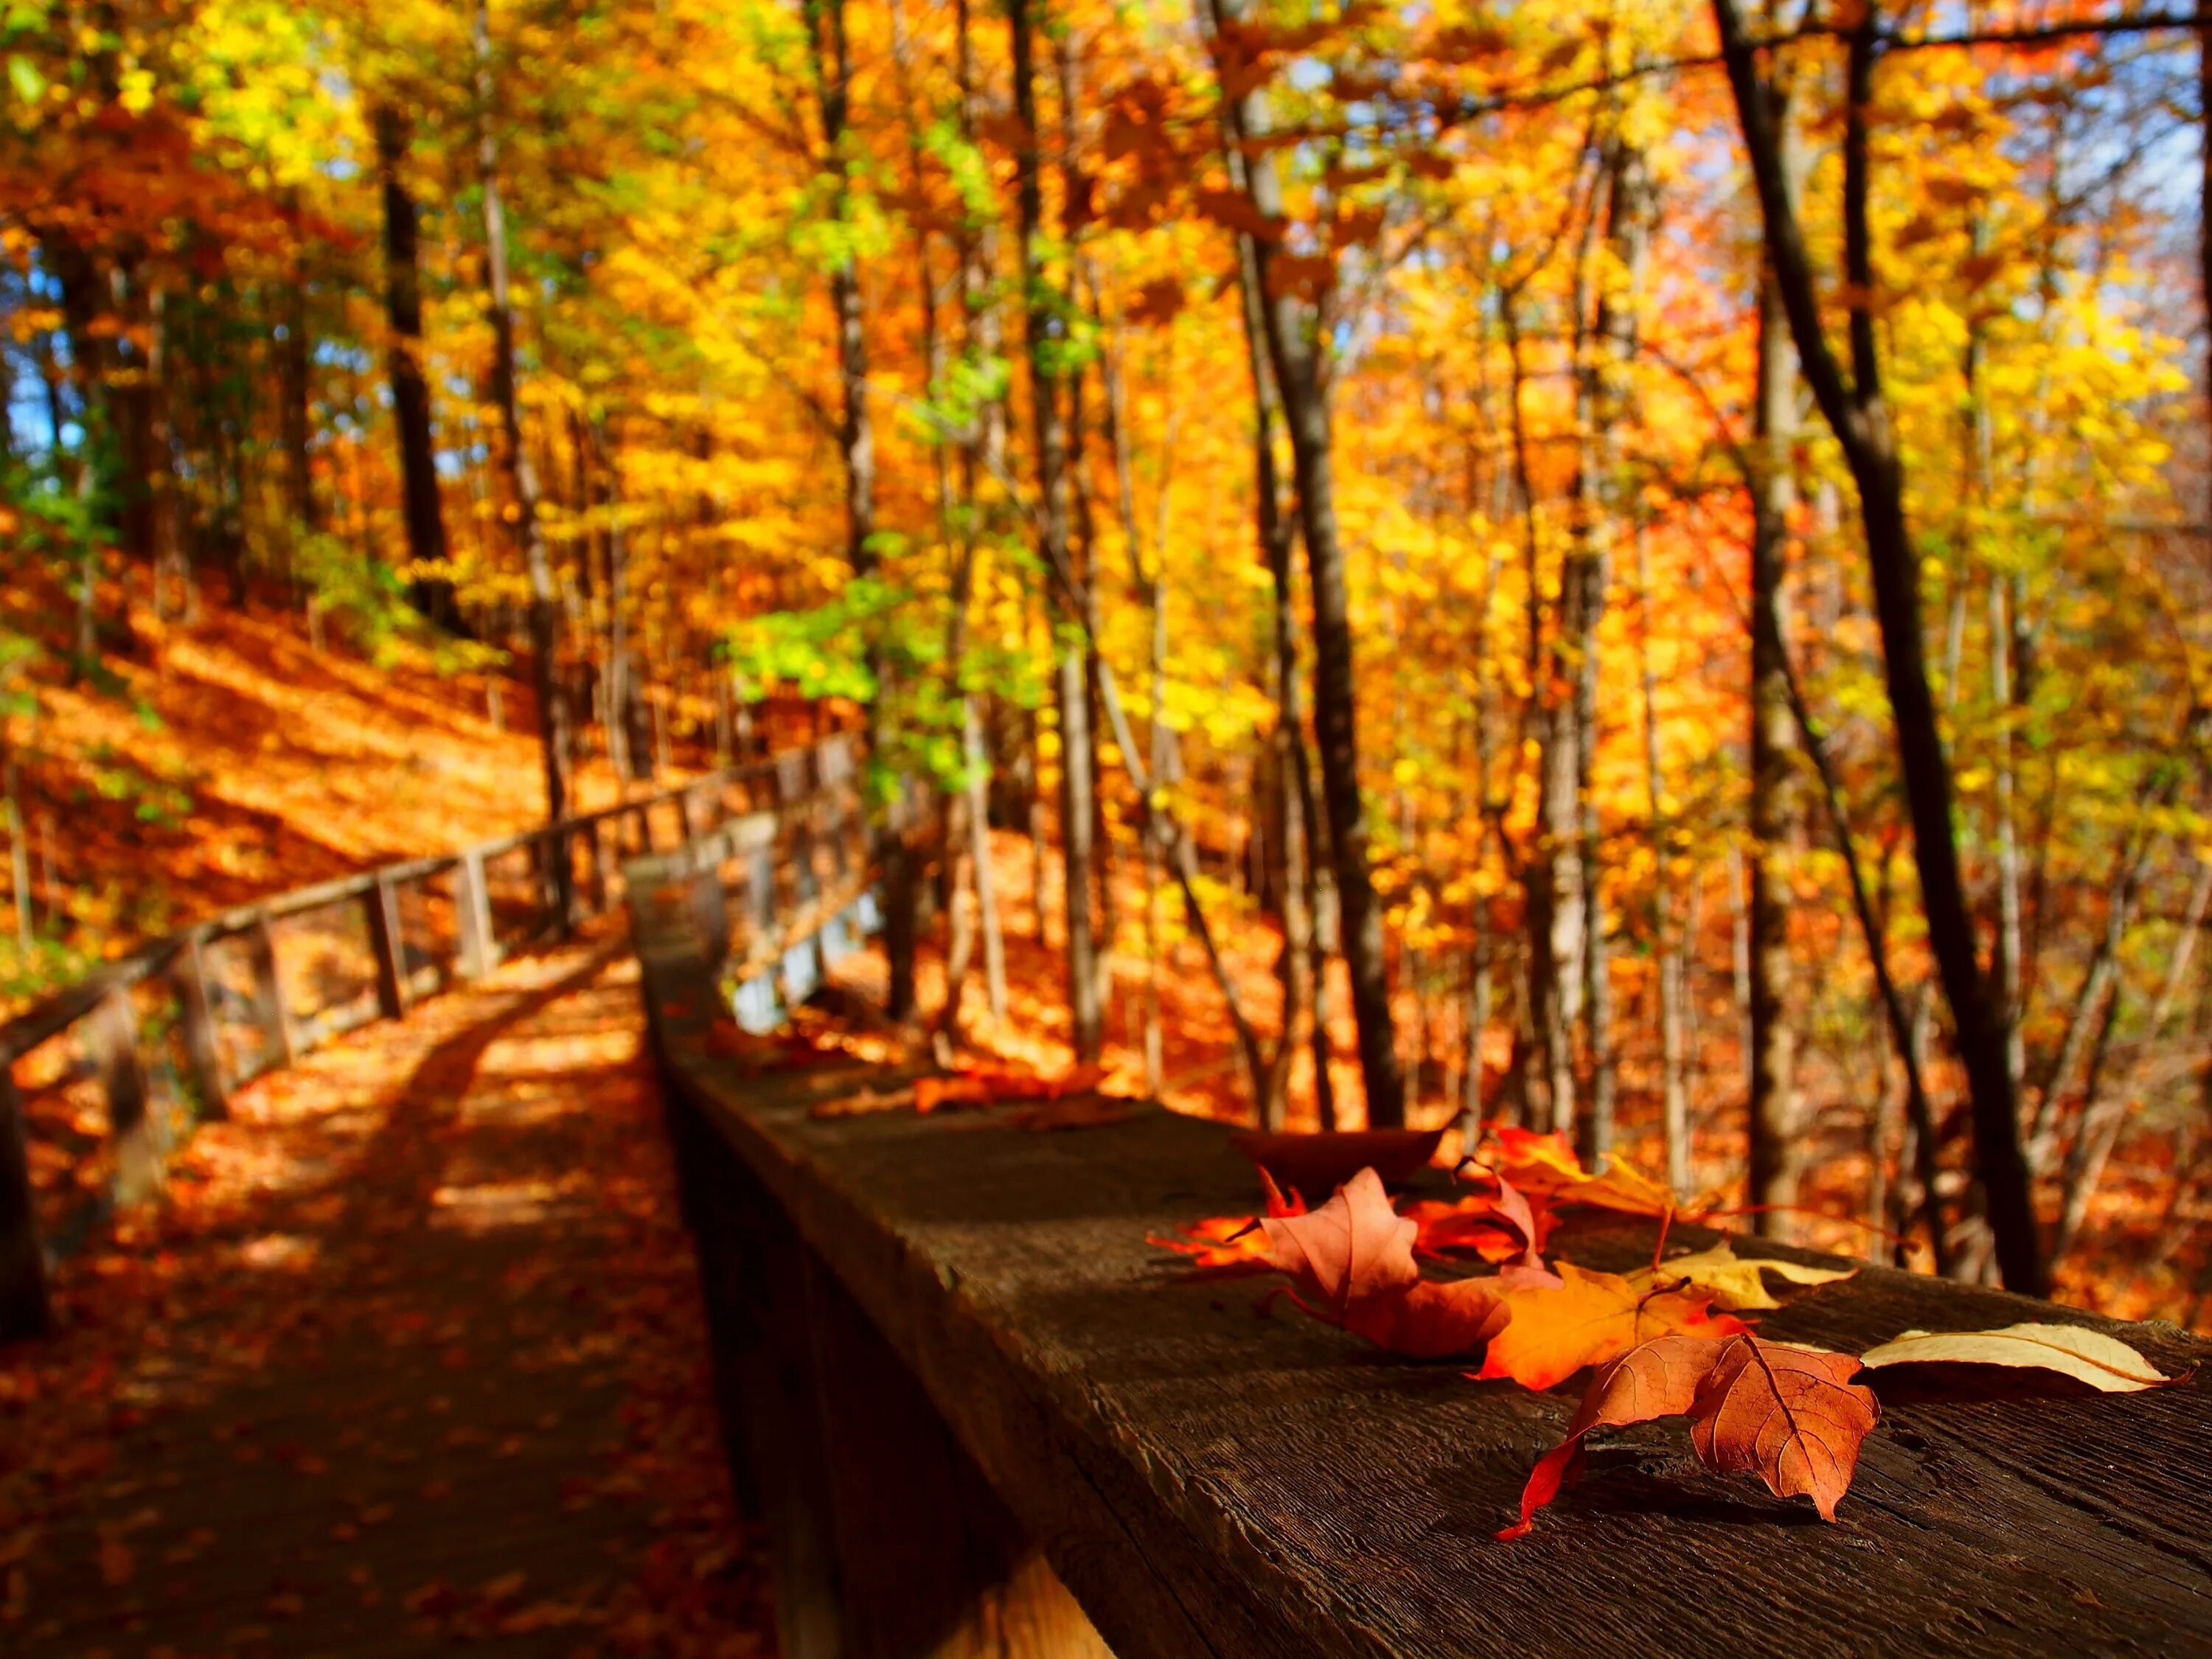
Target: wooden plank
[[479, 949], [1208, 1482], [25, 1311], [388, 940], [274, 1019], [136, 1134], [202, 1048]]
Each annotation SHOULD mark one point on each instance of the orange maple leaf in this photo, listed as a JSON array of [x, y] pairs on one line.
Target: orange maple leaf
[[1353, 1247], [1790, 1415], [1432, 1319], [1588, 1318], [1351, 1262]]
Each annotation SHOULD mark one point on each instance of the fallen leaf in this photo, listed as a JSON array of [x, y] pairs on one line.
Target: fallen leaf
[[2105, 1363], [1588, 1319], [1734, 1281], [981, 1085], [1545, 1166], [1322, 1163], [869, 1099], [1790, 1415], [1498, 1227], [1222, 1245], [776, 1051], [1659, 1379], [1353, 1247], [1430, 1319]]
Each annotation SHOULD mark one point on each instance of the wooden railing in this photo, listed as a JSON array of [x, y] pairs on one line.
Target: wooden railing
[[160, 1038], [976, 1411]]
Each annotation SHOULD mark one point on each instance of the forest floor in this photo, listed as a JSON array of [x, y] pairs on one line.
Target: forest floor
[[412, 1355]]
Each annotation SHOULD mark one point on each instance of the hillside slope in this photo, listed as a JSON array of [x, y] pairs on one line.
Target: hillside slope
[[231, 757]]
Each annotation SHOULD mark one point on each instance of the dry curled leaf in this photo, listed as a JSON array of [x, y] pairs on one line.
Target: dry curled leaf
[[1659, 1379], [1588, 1318], [1500, 1226], [1734, 1282], [1790, 1415], [2105, 1363], [1353, 1247], [1352, 1263], [1432, 1319]]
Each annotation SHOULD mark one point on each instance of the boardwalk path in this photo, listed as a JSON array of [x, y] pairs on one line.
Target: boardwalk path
[[412, 1359]]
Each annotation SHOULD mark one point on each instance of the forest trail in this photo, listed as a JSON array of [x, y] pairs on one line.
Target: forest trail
[[413, 1356]]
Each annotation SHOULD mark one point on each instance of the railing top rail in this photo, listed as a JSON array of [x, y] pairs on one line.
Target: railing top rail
[[55, 1014]]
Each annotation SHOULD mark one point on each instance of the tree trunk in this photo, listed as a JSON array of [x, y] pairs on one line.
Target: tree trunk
[[856, 449], [295, 369], [1777, 1129], [1296, 354], [1552, 875], [520, 478], [1858, 414], [2094, 1141], [1674, 1092], [1071, 682], [431, 592]]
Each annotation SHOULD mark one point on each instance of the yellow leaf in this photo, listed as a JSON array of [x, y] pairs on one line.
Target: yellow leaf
[[2104, 1363], [1733, 1281]]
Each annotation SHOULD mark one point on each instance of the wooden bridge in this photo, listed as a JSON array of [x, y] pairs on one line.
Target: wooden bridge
[[432, 1370], [962, 1410]]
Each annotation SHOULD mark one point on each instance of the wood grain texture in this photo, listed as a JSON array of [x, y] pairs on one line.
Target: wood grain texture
[[1210, 1481]]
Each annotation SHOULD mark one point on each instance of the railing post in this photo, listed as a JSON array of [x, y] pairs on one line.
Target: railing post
[[390, 944], [644, 816], [710, 908], [269, 994], [479, 951], [24, 1310], [557, 878], [556, 886], [202, 1051], [113, 1031], [760, 888], [598, 831]]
